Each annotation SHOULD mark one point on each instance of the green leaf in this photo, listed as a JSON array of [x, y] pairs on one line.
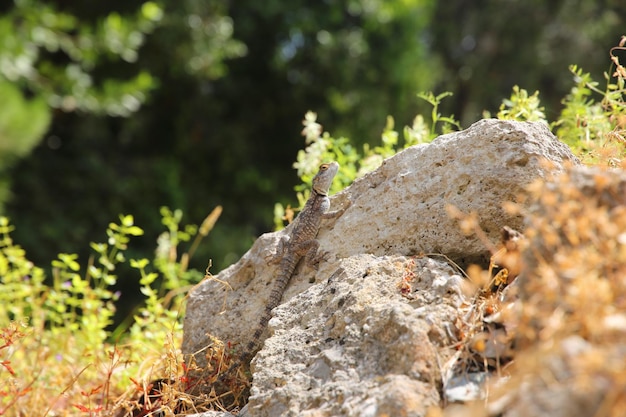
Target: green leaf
[[139, 263], [109, 279], [70, 260], [127, 220], [134, 231], [147, 291], [57, 264], [99, 247], [95, 272], [148, 279]]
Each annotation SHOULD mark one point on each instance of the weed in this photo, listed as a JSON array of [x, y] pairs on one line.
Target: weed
[[592, 121], [56, 351]]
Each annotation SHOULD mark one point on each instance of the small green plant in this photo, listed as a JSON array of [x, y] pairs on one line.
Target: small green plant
[[592, 121], [592, 127], [160, 316], [448, 123], [582, 120], [321, 146], [57, 353], [523, 107]]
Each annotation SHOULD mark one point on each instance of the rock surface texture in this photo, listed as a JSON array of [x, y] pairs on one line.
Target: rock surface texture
[[367, 342], [401, 207], [366, 334]]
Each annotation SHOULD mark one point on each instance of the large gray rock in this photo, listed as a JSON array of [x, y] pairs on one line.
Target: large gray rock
[[398, 209], [367, 341], [401, 207]]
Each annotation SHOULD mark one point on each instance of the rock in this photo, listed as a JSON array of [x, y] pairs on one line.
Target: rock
[[466, 387], [365, 342], [576, 390], [377, 348], [401, 207]]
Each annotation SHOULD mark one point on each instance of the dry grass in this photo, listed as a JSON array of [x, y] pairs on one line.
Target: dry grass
[[190, 389], [563, 320]]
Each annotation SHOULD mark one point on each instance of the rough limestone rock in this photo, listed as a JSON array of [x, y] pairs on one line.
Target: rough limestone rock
[[367, 341], [401, 207], [363, 336]]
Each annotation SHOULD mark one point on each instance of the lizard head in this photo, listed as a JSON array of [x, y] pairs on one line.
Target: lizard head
[[324, 177]]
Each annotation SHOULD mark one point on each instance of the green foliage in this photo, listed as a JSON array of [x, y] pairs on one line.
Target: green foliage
[[448, 122], [341, 44], [63, 329], [210, 41], [53, 57], [161, 314], [584, 121], [595, 130], [323, 147], [35, 34], [20, 118], [22, 282], [522, 107], [78, 302]]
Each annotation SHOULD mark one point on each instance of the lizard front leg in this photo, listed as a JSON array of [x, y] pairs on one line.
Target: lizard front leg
[[337, 213]]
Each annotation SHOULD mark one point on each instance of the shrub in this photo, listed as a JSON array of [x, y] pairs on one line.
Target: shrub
[[57, 351]]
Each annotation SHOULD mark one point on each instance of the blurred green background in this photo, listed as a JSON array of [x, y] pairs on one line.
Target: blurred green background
[[110, 107]]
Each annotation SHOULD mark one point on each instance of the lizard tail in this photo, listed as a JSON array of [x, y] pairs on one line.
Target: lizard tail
[[254, 344], [274, 300]]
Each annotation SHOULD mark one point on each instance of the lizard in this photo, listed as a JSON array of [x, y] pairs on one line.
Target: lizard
[[299, 243]]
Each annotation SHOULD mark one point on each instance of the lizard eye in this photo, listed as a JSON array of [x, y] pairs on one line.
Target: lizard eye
[[323, 167]]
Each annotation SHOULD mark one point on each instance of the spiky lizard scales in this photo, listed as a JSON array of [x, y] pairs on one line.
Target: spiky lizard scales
[[298, 244]]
